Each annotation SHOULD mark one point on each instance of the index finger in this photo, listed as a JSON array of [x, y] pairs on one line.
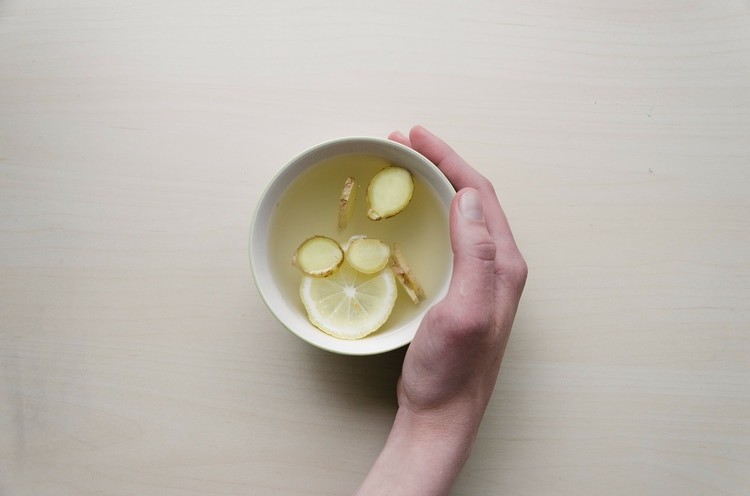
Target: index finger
[[462, 175]]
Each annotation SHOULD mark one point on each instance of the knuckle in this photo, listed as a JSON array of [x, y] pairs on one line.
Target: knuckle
[[514, 271], [485, 249], [485, 184], [519, 270], [479, 322], [470, 321], [459, 323]]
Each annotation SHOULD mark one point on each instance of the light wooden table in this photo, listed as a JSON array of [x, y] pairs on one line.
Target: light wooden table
[[136, 357]]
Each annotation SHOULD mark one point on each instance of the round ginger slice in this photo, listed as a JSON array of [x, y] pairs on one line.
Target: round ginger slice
[[389, 192], [318, 256], [368, 255]]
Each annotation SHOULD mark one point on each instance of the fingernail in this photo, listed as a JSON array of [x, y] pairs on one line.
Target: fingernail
[[470, 205], [398, 134]]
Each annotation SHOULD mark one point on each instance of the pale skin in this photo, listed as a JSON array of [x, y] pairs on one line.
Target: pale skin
[[450, 368]]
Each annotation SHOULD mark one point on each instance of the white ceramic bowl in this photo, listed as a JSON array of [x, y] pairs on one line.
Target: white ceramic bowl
[[293, 317]]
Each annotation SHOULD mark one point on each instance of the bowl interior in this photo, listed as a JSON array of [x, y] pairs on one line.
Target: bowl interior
[[284, 305]]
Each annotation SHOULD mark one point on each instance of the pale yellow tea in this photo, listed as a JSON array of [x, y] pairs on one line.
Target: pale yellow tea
[[309, 207]]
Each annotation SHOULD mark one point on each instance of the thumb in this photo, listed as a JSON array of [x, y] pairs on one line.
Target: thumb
[[474, 250]]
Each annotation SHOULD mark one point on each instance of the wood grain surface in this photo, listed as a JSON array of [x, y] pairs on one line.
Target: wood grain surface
[[136, 356]]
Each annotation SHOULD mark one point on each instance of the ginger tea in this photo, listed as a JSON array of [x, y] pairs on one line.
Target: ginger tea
[[309, 207]]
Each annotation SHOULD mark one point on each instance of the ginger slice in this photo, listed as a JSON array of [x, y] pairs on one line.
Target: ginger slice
[[346, 201], [405, 275], [368, 255], [318, 256], [389, 192]]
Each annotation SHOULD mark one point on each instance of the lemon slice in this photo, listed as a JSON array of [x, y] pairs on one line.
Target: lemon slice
[[349, 304]]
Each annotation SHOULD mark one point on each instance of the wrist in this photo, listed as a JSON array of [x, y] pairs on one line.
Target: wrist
[[450, 431], [423, 454]]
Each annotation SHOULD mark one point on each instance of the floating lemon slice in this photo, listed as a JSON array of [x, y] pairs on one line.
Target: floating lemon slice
[[349, 304]]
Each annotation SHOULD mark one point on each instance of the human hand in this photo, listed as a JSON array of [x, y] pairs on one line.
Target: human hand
[[451, 366]]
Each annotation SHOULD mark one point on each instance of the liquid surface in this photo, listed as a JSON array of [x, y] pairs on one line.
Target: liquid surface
[[310, 207]]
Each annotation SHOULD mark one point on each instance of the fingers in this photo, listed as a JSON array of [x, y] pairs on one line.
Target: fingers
[[462, 175], [399, 138]]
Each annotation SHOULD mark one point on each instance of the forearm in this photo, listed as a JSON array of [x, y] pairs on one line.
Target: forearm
[[422, 456]]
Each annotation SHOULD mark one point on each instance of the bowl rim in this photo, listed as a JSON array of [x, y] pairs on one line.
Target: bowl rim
[[262, 275]]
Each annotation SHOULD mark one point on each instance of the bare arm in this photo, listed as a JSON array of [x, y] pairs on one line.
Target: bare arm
[[450, 369]]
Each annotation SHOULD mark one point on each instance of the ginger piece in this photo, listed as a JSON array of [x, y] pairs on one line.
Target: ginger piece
[[405, 275], [318, 256], [368, 255], [389, 192], [346, 202]]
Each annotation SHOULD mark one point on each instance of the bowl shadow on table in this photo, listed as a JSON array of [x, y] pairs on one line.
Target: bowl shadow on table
[[359, 382]]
